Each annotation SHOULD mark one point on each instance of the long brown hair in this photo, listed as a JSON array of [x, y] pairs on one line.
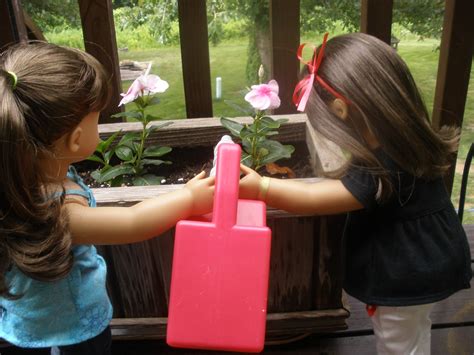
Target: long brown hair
[[56, 88], [384, 102]]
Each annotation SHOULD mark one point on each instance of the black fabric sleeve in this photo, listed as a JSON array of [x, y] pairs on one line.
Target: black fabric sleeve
[[362, 185]]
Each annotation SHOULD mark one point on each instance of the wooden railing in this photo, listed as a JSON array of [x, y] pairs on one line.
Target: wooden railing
[[376, 19]]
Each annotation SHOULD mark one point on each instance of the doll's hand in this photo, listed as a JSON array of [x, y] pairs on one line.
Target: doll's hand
[[202, 193], [249, 184]]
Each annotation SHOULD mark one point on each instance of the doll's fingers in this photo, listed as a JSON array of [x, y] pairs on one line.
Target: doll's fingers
[[211, 180], [199, 176], [245, 169]]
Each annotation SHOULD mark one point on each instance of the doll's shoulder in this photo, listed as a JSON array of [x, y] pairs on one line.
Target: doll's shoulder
[[74, 193]]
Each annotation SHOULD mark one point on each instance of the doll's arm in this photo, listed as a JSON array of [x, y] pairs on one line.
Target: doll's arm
[[147, 219], [321, 198]]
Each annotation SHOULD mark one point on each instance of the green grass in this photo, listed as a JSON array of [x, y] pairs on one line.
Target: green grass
[[228, 61], [422, 59]]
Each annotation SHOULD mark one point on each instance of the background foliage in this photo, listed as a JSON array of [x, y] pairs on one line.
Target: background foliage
[[226, 18], [150, 31]]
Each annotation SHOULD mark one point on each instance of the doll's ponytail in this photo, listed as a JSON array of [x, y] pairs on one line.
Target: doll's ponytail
[[51, 90], [33, 232]]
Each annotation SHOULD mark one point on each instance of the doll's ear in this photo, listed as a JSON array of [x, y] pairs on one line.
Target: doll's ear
[[340, 108], [73, 140]]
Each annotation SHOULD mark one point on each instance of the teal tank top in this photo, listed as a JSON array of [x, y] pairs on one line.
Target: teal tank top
[[62, 312]]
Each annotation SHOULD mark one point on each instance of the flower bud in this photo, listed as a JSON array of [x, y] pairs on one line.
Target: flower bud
[[261, 73]]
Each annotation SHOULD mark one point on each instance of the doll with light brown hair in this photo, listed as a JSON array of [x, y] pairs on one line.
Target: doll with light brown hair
[[405, 246], [52, 281]]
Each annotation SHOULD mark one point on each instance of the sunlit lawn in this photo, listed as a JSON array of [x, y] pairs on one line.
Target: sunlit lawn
[[228, 61]]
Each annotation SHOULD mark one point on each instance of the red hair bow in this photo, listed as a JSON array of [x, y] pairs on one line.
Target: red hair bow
[[303, 88]]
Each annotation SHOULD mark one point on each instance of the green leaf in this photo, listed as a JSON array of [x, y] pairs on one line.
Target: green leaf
[[247, 144], [156, 126], [105, 144], [150, 118], [246, 159], [276, 151], [263, 152], [115, 171], [269, 122], [247, 133], [124, 153], [156, 151], [155, 100], [150, 130], [96, 159], [146, 180], [108, 155], [129, 114], [129, 138], [156, 162], [232, 126], [117, 181], [140, 102], [161, 124], [95, 175]]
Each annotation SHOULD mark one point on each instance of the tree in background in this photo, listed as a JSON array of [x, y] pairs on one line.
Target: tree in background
[[157, 15], [256, 13], [53, 14], [160, 17]]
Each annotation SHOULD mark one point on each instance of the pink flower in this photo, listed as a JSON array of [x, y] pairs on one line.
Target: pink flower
[[264, 96], [144, 85]]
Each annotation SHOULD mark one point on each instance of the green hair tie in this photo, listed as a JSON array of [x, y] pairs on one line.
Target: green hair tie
[[14, 79]]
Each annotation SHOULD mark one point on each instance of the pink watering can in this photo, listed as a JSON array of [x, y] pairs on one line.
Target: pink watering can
[[219, 280]]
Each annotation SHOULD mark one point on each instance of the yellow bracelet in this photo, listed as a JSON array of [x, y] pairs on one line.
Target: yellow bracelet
[[263, 188]]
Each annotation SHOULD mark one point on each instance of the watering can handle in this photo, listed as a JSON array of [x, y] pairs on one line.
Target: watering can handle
[[227, 185]]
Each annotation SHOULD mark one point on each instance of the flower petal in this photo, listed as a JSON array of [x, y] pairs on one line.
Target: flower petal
[[153, 84], [133, 92], [273, 84], [260, 102], [274, 101]]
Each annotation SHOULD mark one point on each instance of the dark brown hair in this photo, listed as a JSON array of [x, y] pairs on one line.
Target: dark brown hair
[[56, 88], [384, 103]]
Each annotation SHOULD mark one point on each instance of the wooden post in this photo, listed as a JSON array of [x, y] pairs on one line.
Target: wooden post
[[376, 18], [33, 30], [285, 35], [195, 57], [12, 26], [454, 69], [99, 40]]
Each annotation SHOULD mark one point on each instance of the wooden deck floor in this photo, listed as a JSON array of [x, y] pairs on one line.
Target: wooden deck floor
[[453, 332]]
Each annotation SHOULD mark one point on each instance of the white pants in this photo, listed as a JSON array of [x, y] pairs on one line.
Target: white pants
[[403, 330]]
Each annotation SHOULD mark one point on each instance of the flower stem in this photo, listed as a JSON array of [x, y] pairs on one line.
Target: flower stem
[[142, 142], [255, 156]]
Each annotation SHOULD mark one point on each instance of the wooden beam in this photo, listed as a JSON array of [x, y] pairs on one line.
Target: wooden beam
[[99, 40], [195, 57], [34, 32], [277, 325], [203, 132], [454, 69], [376, 18], [285, 35], [12, 26]]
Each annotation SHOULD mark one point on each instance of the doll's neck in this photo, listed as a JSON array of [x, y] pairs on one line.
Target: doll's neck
[[55, 170]]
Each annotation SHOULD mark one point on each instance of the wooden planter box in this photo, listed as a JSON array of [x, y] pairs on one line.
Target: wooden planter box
[[306, 258]]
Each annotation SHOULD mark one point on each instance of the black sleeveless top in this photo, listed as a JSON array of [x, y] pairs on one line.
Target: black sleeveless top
[[407, 251]]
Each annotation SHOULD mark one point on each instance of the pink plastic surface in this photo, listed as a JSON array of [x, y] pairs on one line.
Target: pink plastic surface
[[219, 280]]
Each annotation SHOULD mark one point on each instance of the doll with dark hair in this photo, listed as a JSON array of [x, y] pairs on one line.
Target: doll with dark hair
[[405, 246], [52, 281]]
